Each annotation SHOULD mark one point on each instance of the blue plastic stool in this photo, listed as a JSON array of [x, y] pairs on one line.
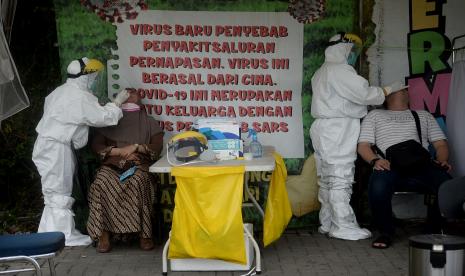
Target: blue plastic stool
[[29, 247]]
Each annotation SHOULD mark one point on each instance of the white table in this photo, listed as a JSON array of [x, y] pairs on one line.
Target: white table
[[264, 163]]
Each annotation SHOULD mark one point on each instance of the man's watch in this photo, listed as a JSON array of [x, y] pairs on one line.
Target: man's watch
[[373, 161]]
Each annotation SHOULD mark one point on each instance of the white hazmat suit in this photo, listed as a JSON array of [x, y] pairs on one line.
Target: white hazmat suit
[[68, 112], [340, 99]]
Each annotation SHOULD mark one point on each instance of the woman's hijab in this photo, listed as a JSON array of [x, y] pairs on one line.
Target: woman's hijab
[[136, 127]]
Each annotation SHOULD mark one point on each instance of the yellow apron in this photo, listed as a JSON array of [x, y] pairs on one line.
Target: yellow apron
[[207, 218]]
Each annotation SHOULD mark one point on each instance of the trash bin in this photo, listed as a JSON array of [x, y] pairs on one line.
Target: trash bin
[[436, 254]]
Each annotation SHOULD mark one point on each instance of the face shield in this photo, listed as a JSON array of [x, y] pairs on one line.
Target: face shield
[[354, 40], [185, 148], [96, 83], [91, 71], [95, 71], [353, 55]]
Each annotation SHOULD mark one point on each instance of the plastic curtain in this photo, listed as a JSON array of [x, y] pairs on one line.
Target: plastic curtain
[[13, 98], [455, 116]]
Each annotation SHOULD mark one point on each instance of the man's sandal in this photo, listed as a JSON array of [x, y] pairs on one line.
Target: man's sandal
[[382, 242]]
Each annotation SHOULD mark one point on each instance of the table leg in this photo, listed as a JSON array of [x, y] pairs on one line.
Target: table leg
[[258, 261], [255, 203], [164, 257]]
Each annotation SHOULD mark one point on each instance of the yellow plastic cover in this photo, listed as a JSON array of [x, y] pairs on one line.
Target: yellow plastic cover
[[302, 189], [207, 217], [278, 209]]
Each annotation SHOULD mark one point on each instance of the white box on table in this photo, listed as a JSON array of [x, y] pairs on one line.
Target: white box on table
[[226, 149], [223, 135]]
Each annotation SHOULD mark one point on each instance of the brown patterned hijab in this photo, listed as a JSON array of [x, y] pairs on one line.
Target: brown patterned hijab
[[136, 127]]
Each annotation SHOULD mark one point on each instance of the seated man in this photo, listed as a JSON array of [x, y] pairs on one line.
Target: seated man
[[385, 128], [125, 206]]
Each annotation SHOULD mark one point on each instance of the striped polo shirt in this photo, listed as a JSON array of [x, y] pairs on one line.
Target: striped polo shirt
[[387, 127]]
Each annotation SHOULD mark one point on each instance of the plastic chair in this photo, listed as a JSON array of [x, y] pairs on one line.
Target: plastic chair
[[30, 247]]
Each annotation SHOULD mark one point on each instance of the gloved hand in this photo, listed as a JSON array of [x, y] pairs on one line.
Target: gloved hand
[[394, 87], [121, 97]]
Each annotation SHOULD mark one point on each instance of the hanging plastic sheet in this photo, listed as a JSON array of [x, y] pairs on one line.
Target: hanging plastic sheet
[[13, 98], [278, 209], [207, 218], [455, 116]]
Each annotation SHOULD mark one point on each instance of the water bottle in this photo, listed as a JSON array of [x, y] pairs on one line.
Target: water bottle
[[255, 147]]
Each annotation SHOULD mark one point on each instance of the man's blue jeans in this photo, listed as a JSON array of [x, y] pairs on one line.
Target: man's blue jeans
[[383, 184]]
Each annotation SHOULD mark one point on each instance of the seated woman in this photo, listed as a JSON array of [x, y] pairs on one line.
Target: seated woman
[[125, 206]]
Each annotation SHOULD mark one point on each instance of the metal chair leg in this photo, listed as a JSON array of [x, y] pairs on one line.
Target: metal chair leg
[[34, 263], [51, 265]]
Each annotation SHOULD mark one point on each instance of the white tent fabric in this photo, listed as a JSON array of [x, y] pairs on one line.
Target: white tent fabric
[[13, 98], [7, 13]]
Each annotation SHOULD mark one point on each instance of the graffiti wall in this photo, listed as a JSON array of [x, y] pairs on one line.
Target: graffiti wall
[[413, 44]]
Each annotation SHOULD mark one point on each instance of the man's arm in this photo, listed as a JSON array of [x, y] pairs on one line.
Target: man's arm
[[365, 151], [442, 153]]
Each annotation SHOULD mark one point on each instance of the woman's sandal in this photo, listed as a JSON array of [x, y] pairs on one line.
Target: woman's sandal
[[382, 242]]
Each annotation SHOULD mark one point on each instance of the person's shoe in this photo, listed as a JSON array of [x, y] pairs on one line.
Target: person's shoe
[[146, 244], [103, 244], [382, 242], [352, 233], [323, 230]]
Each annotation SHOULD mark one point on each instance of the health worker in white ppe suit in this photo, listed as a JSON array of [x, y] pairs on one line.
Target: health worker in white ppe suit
[[68, 112], [339, 101]]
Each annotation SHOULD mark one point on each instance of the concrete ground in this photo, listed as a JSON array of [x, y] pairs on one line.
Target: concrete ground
[[298, 252]]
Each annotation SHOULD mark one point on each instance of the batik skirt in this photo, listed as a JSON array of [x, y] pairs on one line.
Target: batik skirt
[[121, 207]]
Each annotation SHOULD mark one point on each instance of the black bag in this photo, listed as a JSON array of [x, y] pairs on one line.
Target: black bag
[[409, 156]]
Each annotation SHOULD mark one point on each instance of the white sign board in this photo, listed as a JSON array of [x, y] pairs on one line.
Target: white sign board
[[189, 65]]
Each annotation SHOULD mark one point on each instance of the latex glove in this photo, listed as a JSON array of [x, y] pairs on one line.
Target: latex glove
[[121, 97], [394, 87]]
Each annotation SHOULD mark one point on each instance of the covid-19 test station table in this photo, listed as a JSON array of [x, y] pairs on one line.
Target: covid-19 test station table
[[264, 163]]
